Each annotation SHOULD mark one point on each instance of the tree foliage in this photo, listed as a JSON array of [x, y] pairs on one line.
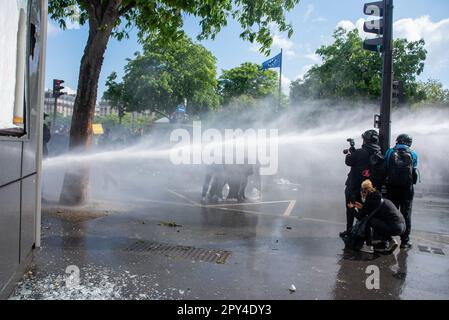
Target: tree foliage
[[163, 19], [161, 77], [349, 71], [246, 84], [432, 92], [156, 21]]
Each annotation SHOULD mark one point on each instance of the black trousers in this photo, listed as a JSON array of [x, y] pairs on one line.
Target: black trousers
[[350, 196], [403, 200], [217, 185], [385, 230]]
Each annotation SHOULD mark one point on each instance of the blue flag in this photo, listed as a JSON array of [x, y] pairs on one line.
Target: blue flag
[[274, 62]]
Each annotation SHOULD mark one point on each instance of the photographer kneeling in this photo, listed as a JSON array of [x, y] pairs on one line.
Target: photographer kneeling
[[384, 218]]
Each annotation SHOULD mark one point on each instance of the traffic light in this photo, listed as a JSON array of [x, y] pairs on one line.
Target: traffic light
[[398, 92], [375, 26], [57, 87]]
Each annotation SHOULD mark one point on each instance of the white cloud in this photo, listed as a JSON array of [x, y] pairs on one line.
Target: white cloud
[[72, 25], [73, 21], [346, 24], [285, 84], [254, 47], [314, 57], [69, 90], [435, 34], [304, 70], [52, 29], [309, 11], [349, 26], [279, 42], [319, 19]]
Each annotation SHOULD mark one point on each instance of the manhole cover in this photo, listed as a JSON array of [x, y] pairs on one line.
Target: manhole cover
[[183, 252]]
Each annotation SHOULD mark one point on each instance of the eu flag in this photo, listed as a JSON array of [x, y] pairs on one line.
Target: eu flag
[[274, 62]]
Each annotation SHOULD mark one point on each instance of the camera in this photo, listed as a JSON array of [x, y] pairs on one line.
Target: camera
[[352, 146]]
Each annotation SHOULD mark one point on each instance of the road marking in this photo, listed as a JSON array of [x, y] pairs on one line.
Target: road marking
[[322, 221], [183, 204], [238, 210], [289, 209], [246, 203], [185, 198]]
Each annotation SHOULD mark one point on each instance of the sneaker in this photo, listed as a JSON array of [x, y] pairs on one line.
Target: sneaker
[[344, 234], [367, 249]]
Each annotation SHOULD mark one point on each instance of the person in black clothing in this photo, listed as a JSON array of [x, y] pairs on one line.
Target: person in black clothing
[[46, 137], [246, 171], [359, 161], [402, 174], [387, 222], [213, 183]]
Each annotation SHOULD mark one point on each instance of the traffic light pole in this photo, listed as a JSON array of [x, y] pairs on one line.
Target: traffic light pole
[[387, 77], [55, 109], [56, 93]]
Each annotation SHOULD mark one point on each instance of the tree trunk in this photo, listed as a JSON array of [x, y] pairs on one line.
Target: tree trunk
[[76, 179]]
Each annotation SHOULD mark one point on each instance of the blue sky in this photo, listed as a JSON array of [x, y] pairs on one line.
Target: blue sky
[[313, 20]]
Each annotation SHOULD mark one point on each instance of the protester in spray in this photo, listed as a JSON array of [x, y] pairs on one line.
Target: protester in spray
[[105, 138], [46, 137], [233, 175], [213, 183], [381, 217], [402, 175], [364, 163]]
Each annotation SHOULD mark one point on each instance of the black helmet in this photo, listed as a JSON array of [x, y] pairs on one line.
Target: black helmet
[[371, 136], [404, 139]]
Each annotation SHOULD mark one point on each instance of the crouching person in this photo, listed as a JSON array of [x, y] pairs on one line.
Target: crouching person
[[381, 217]]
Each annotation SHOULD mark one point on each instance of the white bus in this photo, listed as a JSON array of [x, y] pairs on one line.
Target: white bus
[[23, 25]]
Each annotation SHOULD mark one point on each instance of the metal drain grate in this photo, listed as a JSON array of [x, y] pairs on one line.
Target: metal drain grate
[[183, 252], [426, 249]]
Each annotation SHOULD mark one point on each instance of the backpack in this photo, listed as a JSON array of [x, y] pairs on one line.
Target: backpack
[[400, 168], [355, 238]]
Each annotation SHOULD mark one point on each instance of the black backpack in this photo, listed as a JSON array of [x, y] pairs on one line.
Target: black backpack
[[400, 168], [355, 238]]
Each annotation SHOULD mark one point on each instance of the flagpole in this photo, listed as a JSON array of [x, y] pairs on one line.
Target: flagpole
[[280, 83]]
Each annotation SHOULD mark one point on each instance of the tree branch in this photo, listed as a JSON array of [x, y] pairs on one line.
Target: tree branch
[[128, 7]]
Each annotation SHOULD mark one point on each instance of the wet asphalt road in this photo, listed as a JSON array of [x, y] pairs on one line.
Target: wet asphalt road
[[289, 237]]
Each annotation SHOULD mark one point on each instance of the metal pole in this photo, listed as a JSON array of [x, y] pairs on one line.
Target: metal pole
[[280, 83], [55, 109], [40, 108], [387, 77]]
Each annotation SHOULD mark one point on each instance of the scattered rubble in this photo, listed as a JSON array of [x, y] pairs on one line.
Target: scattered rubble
[[169, 224], [95, 283]]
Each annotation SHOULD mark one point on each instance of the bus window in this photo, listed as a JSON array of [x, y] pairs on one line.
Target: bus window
[[13, 43]]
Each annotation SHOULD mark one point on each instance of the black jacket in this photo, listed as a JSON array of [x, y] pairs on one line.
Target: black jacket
[[359, 160], [388, 212]]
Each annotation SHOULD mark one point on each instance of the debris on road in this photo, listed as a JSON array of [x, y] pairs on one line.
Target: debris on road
[[169, 224]]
